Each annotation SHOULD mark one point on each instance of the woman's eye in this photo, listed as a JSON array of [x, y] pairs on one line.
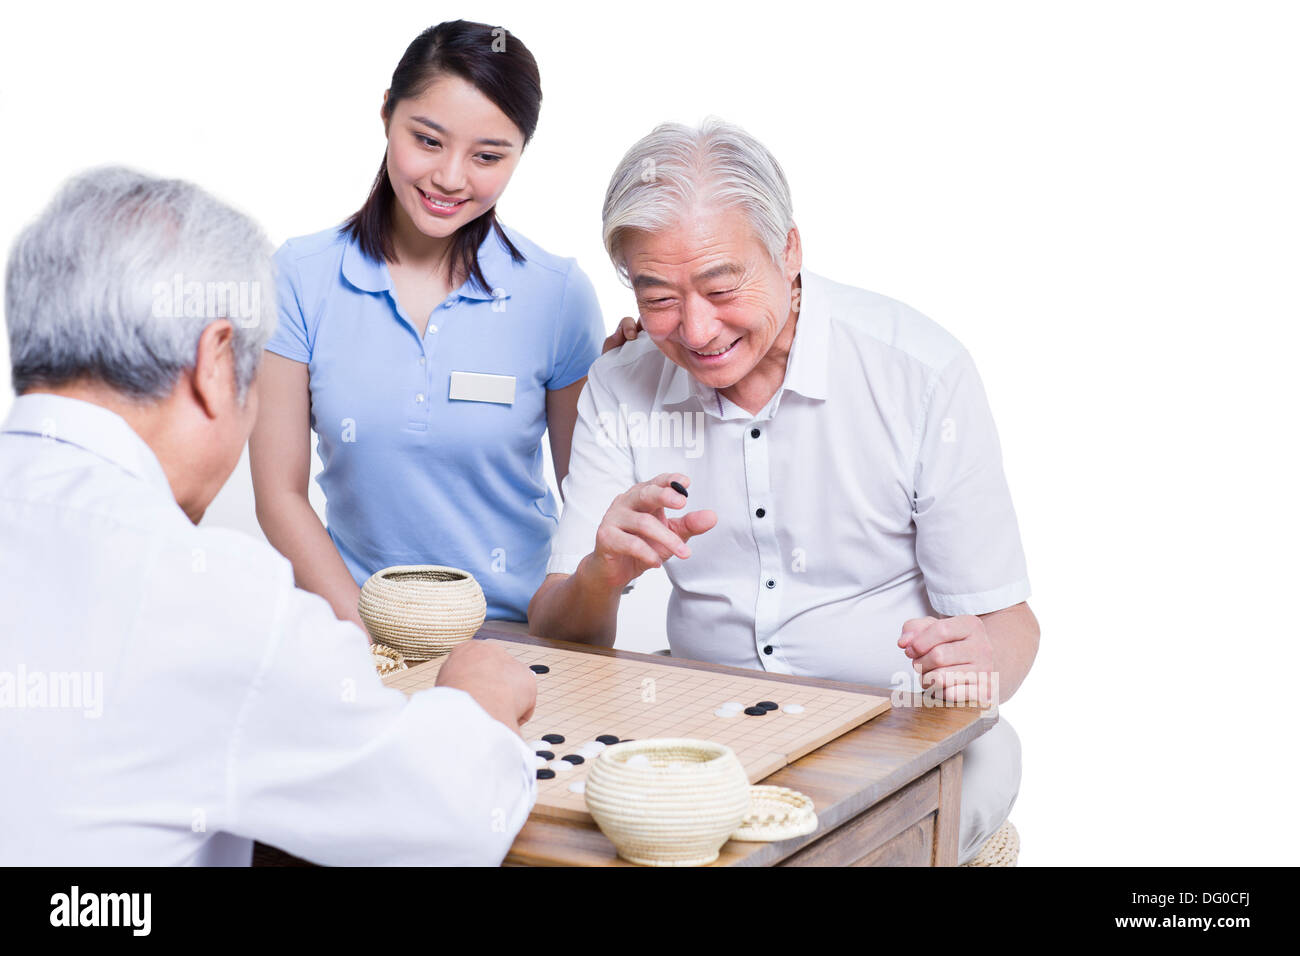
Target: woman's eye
[[427, 141], [489, 157]]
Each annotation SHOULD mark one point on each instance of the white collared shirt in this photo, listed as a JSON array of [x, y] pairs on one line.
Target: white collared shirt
[[868, 491], [167, 695]]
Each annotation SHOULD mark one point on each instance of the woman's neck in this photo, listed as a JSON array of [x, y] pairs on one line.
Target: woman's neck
[[417, 251]]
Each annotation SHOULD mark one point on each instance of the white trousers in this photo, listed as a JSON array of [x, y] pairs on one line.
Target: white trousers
[[990, 782]]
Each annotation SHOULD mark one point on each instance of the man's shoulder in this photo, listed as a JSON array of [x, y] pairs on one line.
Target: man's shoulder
[[634, 364], [877, 321]]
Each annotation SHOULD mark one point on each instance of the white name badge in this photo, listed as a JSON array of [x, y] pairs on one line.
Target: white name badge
[[480, 387]]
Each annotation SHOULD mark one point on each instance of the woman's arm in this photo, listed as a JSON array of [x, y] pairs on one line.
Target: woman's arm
[[561, 414], [279, 454]]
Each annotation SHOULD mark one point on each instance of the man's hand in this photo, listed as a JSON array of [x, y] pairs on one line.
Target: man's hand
[[627, 329], [486, 671], [636, 535], [953, 652]]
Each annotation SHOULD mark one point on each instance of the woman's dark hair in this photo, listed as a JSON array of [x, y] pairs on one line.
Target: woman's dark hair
[[500, 67]]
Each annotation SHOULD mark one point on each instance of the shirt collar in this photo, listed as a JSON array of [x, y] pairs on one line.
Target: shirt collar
[[92, 427], [806, 369], [494, 261]]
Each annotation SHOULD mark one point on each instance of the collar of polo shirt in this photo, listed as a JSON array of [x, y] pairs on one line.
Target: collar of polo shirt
[[806, 369], [369, 276]]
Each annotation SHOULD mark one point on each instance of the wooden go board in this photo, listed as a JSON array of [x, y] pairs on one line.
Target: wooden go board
[[585, 696]]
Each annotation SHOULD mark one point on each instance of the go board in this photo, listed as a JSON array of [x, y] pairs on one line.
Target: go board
[[582, 697]]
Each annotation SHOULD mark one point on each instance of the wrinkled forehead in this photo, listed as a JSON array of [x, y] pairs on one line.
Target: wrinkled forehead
[[704, 246]]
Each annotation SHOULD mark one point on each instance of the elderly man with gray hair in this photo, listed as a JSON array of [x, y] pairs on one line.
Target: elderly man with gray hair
[[853, 521], [167, 695]]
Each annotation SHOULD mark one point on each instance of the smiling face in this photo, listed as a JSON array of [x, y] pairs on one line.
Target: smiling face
[[713, 300], [451, 152]]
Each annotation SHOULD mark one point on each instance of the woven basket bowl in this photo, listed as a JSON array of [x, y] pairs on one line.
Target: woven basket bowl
[[422, 610], [676, 811]]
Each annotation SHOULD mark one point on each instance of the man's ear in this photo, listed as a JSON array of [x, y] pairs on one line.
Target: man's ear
[[793, 253], [214, 368]]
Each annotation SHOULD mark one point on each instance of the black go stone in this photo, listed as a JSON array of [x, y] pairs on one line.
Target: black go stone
[[546, 773], [607, 739], [574, 759], [755, 711], [766, 705], [539, 668], [552, 738], [546, 755]]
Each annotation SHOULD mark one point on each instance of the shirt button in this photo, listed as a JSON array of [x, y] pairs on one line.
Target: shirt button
[[447, 304], [433, 328], [419, 397], [760, 512], [754, 433], [767, 649], [771, 583], [421, 359]]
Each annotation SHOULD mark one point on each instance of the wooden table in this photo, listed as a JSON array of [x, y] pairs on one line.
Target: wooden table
[[887, 793]]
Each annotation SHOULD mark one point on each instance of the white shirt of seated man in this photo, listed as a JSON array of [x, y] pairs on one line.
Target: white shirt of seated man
[[843, 468]]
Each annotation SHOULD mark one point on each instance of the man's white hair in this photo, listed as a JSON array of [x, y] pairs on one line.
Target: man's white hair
[[677, 168], [90, 285]]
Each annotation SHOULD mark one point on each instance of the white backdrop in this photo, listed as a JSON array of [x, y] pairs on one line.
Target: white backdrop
[[1099, 199]]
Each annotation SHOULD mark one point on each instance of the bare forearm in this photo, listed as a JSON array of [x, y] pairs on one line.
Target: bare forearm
[[575, 608], [295, 530], [1014, 634]]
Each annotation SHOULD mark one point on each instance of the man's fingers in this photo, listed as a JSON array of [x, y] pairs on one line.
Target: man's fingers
[[939, 632], [656, 494], [658, 535], [629, 327], [693, 523], [913, 627], [952, 654], [637, 548]]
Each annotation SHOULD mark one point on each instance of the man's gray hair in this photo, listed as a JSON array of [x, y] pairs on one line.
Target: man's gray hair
[[119, 276], [677, 168]]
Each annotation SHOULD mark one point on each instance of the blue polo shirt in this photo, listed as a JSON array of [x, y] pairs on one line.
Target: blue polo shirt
[[411, 475]]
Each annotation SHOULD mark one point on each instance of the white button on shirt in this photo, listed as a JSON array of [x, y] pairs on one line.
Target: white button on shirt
[[167, 695], [868, 491]]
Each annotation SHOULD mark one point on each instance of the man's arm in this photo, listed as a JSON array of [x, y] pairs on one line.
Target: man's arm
[[570, 607], [1014, 633]]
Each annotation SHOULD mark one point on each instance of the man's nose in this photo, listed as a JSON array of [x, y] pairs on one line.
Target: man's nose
[[699, 325]]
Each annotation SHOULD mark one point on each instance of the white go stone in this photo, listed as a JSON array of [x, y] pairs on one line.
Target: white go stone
[[725, 712], [578, 786], [793, 708], [539, 745], [638, 760], [560, 766]]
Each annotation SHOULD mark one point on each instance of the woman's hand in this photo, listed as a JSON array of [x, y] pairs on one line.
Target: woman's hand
[[627, 329]]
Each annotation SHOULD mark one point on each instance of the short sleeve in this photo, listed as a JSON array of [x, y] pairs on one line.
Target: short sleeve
[[967, 538], [330, 765], [290, 337], [600, 469], [579, 333]]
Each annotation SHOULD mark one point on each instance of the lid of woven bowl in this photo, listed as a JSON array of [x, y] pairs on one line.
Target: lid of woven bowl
[[776, 813]]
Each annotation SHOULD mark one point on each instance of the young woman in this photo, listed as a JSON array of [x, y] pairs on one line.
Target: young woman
[[428, 347]]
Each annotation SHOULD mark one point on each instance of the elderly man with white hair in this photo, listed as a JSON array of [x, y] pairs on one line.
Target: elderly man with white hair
[[853, 521], [167, 696]]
